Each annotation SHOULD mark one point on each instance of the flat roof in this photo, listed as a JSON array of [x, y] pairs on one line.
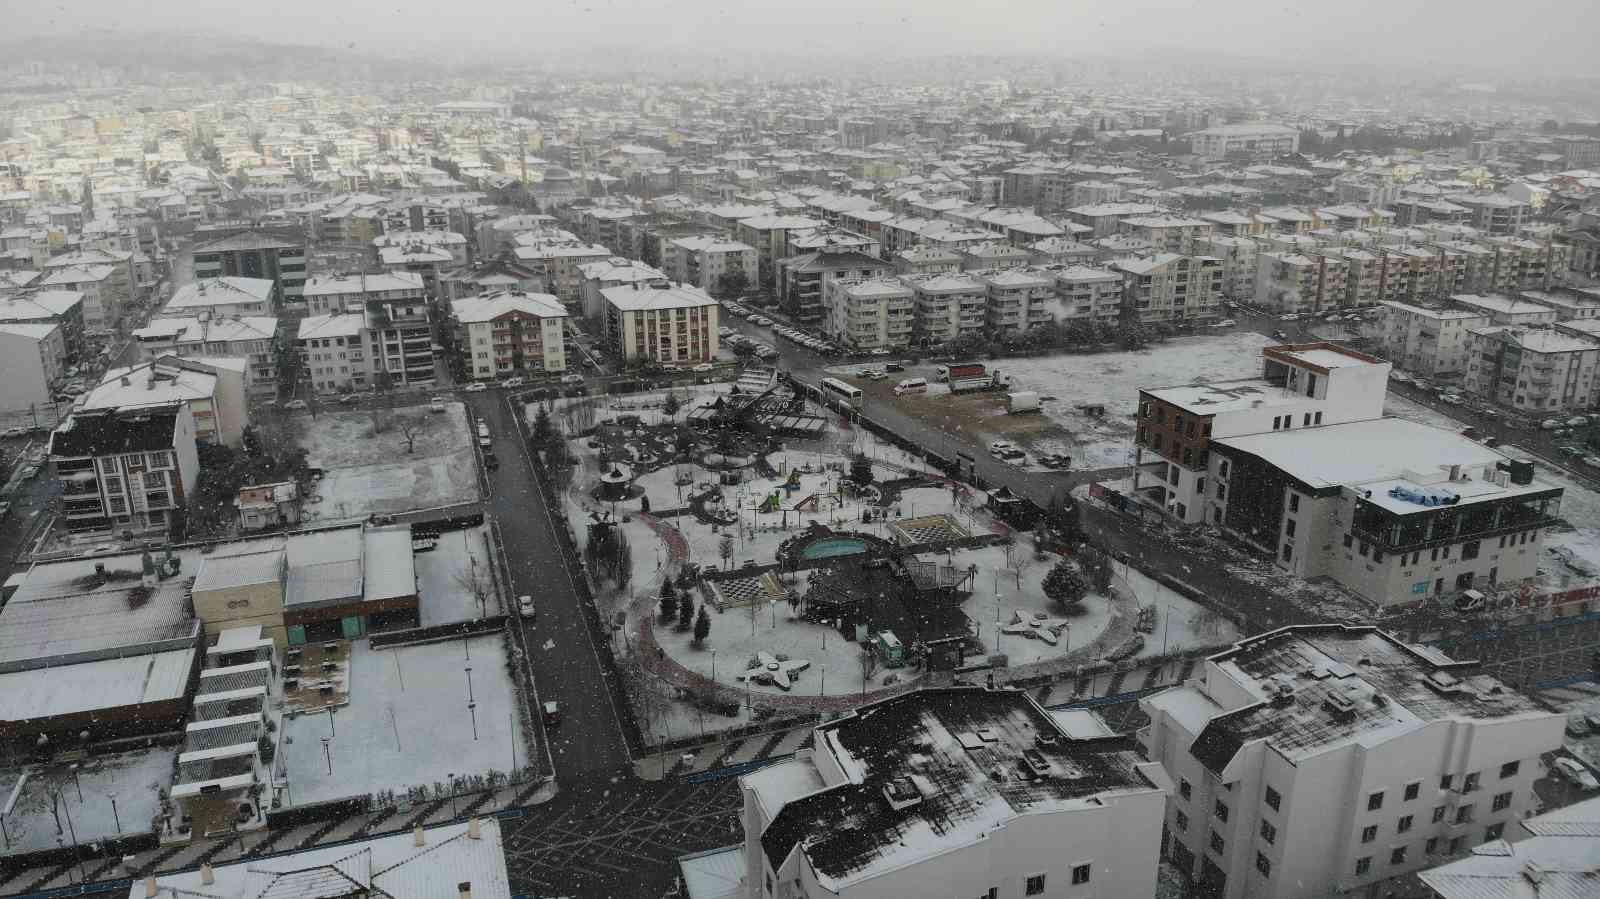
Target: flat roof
[[1322, 356], [629, 298], [226, 572], [1227, 396], [68, 607], [389, 566], [92, 686], [1498, 303]]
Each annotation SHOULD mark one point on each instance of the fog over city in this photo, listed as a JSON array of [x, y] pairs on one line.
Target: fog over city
[[514, 449]]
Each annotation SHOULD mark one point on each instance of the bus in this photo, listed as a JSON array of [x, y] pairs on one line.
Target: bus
[[838, 391]]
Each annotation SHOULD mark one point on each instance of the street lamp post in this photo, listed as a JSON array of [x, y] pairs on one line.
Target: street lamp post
[[472, 709], [112, 795]]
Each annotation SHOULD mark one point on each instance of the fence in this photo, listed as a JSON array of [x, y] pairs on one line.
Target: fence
[[412, 636]]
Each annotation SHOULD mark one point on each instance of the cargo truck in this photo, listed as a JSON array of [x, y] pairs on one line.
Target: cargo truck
[[956, 371]]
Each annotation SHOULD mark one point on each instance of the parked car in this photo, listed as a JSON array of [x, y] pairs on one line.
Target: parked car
[[295, 404], [552, 714], [1001, 446], [1225, 323], [1576, 772], [515, 381], [437, 405], [477, 387], [893, 366], [572, 379], [525, 606], [703, 367], [1577, 421], [349, 399], [1550, 424], [1451, 398]]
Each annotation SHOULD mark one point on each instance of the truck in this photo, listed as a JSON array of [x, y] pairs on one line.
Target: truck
[[983, 382], [1020, 401], [956, 371]]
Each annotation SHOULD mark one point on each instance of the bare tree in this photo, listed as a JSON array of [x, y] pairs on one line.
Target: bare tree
[[410, 428], [725, 549], [383, 397], [475, 580]]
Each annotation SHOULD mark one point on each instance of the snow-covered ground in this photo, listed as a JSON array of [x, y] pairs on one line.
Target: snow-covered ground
[[1400, 407], [1575, 551], [439, 471], [133, 778], [1181, 623], [445, 576], [407, 723], [1066, 382]]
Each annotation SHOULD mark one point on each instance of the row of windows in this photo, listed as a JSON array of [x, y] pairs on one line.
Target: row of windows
[[1397, 855], [1285, 422]]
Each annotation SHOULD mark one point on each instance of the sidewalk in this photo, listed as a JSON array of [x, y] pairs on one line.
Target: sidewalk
[[774, 745]]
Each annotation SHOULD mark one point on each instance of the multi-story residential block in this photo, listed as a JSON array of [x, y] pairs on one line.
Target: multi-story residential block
[[1169, 287], [248, 339], [924, 260], [125, 469], [1547, 855], [335, 351], [561, 263], [327, 294], [1583, 246], [1297, 283], [703, 261], [868, 314], [279, 257], [451, 242], [1105, 219], [1507, 310], [125, 283], [62, 308], [1425, 341], [1018, 298], [947, 306], [1238, 258], [1089, 293], [1571, 305], [953, 792], [1328, 760], [1309, 385], [769, 235], [1493, 213], [215, 394], [36, 362], [662, 322], [1533, 371], [509, 332], [993, 255], [614, 272], [400, 341], [1256, 140], [801, 280], [222, 297], [103, 306], [1167, 233]]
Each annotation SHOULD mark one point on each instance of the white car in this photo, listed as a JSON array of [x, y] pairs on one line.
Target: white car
[[572, 379], [1225, 323], [511, 382], [525, 606], [704, 366], [1001, 446], [477, 387], [1577, 772], [295, 404], [437, 404]]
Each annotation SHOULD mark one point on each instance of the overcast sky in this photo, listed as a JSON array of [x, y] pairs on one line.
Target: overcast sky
[[1551, 34]]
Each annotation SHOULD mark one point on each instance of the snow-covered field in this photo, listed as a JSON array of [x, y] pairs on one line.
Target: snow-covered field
[[439, 471], [133, 778], [445, 576], [407, 723]]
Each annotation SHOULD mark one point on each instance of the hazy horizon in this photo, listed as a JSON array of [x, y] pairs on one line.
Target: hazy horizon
[[1461, 35]]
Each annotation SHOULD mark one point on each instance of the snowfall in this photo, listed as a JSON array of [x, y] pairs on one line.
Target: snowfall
[[407, 723], [439, 471], [133, 779]]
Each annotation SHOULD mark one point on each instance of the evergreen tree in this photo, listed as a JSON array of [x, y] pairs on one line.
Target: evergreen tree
[[702, 626], [861, 469], [669, 602], [1065, 585], [686, 612]]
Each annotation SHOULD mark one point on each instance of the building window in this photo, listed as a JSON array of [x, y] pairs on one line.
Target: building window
[[1348, 539], [1431, 846], [1438, 813], [1363, 865], [1403, 825], [1222, 468], [1288, 551], [1509, 769], [1221, 810], [1080, 873], [1317, 419], [1369, 833], [1493, 831], [1180, 821], [1035, 885], [1469, 550], [1216, 843], [1470, 784], [1375, 801], [1502, 801], [1446, 781], [1184, 789], [1268, 832], [1464, 814], [1397, 855], [1412, 790], [1273, 799]]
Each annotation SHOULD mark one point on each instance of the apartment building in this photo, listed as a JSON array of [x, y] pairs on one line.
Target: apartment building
[[1507, 310], [1167, 233], [103, 305], [215, 394], [1298, 283], [1533, 371], [220, 297], [769, 235], [662, 322], [36, 363], [802, 280], [1301, 386], [562, 263], [1547, 855], [597, 276], [125, 469], [62, 308], [1583, 247], [1426, 341], [955, 791], [328, 294], [1570, 305], [1105, 219], [993, 255], [334, 351], [400, 340], [276, 257], [703, 261], [1493, 213], [1168, 287], [124, 282], [509, 333], [248, 339], [1257, 140], [1088, 293], [1018, 298], [947, 306], [1238, 258], [868, 314], [1335, 760], [924, 260]]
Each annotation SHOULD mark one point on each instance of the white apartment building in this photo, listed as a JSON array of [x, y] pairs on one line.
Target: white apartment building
[[702, 261], [1330, 760], [1018, 298], [1547, 855], [1254, 139], [561, 262], [1167, 233], [1532, 371], [334, 351], [510, 332], [947, 306], [1507, 310], [349, 293], [125, 468], [36, 359], [215, 394], [1088, 293], [1170, 287], [1570, 305], [1238, 258], [1432, 343], [868, 314], [672, 324], [102, 303], [1295, 282], [956, 791], [248, 338], [219, 297]]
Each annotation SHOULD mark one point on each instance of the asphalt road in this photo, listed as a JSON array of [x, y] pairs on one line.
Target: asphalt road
[[566, 663]]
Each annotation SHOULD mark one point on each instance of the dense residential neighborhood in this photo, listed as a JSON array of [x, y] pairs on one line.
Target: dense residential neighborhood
[[973, 475]]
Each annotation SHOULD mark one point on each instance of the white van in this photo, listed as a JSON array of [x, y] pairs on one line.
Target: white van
[[911, 385]]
